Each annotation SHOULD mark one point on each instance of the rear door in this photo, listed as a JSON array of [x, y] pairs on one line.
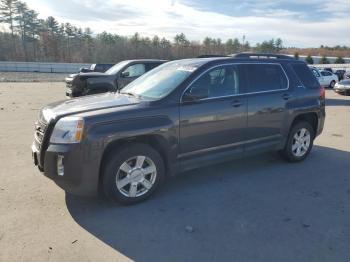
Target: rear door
[[268, 95]]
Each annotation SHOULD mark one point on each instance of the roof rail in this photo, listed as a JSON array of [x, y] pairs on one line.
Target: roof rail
[[262, 56], [208, 56]]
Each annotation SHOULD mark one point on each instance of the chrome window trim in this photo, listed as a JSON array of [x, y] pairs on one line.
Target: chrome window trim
[[248, 93]]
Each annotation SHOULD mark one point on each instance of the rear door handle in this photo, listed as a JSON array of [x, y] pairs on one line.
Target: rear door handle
[[236, 103], [286, 96]]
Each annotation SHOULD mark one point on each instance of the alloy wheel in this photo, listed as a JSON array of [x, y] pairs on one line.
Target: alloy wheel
[[136, 176], [301, 142]]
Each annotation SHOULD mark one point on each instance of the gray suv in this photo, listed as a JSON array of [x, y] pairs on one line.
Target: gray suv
[[181, 115]]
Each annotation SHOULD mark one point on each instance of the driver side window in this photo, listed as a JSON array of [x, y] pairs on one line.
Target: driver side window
[[135, 70], [218, 82]]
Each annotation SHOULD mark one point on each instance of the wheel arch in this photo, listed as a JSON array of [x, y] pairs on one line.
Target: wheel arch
[[157, 142], [311, 118]]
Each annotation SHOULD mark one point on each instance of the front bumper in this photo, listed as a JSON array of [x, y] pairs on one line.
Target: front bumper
[[80, 176]]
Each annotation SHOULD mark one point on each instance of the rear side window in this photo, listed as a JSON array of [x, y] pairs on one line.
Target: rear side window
[[266, 77], [305, 76], [315, 72]]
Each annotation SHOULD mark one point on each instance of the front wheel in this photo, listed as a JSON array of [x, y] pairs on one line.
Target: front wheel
[[132, 173], [299, 142], [332, 84]]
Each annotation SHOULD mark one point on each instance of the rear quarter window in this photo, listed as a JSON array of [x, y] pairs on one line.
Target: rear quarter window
[[305, 76]]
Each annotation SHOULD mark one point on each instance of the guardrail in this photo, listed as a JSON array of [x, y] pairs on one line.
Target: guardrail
[[334, 66], [6, 66]]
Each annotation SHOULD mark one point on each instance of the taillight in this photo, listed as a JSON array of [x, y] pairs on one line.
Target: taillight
[[322, 92]]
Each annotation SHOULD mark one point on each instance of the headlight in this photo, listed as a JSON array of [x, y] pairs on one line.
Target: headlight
[[68, 130]]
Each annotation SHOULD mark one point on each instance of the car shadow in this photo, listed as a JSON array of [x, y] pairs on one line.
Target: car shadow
[[337, 102], [257, 209]]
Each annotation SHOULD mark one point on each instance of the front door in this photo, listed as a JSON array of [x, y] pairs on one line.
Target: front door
[[214, 123]]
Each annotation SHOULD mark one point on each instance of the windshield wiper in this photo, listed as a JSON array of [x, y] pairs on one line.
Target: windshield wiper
[[130, 94]]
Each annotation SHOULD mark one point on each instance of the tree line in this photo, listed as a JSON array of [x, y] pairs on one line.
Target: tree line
[[29, 38]]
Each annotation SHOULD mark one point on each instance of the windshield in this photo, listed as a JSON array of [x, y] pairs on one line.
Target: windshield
[[116, 68], [160, 81]]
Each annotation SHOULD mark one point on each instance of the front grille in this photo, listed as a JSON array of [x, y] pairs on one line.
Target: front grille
[[69, 84]]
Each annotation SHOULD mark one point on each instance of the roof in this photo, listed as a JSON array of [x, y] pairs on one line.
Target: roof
[[253, 57], [147, 60]]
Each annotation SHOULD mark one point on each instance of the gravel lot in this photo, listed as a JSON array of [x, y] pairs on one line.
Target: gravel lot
[[259, 209], [31, 77]]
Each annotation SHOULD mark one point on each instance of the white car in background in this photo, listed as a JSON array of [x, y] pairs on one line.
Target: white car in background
[[325, 78]]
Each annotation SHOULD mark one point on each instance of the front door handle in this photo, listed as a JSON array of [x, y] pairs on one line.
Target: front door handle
[[286, 96], [236, 103]]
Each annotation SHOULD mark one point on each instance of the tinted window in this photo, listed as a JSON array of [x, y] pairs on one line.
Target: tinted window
[[150, 66], [135, 70], [220, 81], [305, 76], [266, 77]]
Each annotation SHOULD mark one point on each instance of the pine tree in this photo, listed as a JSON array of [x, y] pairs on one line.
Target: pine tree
[[309, 60], [7, 13], [296, 56], [339, 60], [324, 60]]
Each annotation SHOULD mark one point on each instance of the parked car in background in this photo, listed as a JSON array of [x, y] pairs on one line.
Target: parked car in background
[[325, 78], [347, 75], [328, 69], [182, 115], [340, 73], [113, 79], [96, 68], [343, 87]]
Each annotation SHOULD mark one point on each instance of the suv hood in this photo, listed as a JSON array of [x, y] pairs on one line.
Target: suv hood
[[86, 104], [85, 75]]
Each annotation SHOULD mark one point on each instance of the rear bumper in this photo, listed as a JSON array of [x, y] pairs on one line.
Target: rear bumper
[[80, 176]]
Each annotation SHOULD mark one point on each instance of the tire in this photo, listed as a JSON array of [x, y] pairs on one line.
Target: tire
[[332, 84], [290, 151], [125, 163]]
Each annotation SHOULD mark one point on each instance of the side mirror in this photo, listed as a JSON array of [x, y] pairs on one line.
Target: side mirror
[[195, 94], [125, 74]]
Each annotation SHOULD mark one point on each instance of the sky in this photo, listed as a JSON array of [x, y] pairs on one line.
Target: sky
[[300, 23]]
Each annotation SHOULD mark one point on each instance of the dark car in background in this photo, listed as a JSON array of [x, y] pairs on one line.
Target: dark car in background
[[182, 115], [343, 87], [113, 79], [340, 73], [328, 69], [96, 68]]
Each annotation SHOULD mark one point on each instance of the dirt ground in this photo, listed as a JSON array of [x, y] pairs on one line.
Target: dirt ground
[[259, 209], [31, 77]]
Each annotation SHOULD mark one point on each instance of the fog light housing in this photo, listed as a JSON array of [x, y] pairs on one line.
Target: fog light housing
[[60, 166]]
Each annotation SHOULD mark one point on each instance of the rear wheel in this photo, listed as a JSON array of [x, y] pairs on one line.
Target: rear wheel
[[332, 84], [133, 173], [299, 143]]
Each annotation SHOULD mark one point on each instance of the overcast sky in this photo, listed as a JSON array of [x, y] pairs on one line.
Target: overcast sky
[[299, 23]]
